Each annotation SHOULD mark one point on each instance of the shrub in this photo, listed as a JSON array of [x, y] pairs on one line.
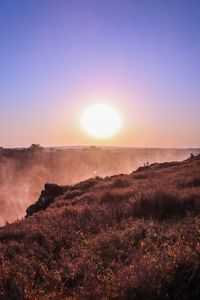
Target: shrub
[[115, 196], [160, 205], [121, 183], [195, 182], [73, 194], [143, 175]]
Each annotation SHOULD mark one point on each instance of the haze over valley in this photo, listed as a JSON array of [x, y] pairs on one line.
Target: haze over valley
[[23, 172]]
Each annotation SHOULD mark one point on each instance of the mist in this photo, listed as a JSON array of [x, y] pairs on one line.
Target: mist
[[23, 172]]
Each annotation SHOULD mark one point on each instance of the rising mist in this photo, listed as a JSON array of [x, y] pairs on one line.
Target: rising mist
[[23, 172]]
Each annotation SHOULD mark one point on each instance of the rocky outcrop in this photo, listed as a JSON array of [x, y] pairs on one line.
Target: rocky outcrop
[[50, 192]]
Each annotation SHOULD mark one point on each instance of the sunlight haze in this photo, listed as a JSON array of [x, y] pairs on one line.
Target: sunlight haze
[[56, 56]]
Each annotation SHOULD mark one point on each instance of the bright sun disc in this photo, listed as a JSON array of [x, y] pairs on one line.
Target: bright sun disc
[[101, 121]]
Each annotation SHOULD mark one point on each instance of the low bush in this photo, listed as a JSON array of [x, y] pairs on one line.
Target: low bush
[[115, 196], [195, 182], [121, 183], [161, 205]]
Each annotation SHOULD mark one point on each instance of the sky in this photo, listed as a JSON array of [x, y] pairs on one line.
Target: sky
[[58, 57]]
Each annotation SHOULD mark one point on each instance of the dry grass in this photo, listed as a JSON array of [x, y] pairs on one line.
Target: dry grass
[[119, 238]]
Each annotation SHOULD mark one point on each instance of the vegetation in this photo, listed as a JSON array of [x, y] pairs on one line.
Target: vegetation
[[24, 171], [125, 237]]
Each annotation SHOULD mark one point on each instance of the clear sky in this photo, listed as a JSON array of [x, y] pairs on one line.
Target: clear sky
[[57, 57]]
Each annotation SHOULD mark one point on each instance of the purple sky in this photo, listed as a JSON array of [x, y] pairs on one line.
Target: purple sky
[[58, 56]]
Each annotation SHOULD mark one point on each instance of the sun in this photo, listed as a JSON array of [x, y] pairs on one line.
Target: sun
[[101, 121]]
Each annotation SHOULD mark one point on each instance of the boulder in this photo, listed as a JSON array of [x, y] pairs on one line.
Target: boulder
[[51, 191]]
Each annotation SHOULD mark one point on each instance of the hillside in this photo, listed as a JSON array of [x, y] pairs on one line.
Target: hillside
[[123, 237], [24, 171]]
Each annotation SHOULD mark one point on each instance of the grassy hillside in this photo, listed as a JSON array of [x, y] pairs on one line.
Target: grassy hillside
[[24, 171], [131, 236]]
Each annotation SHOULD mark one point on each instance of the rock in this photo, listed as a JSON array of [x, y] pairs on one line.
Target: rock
[[51, 191], [31, 210]]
